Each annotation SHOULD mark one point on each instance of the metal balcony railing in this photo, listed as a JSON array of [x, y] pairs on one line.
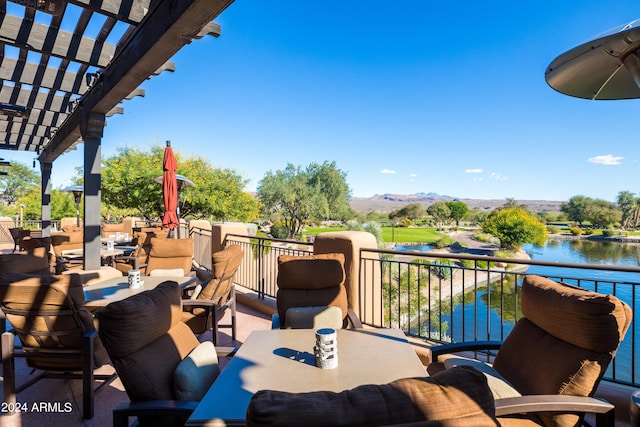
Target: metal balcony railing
[[448, 297]]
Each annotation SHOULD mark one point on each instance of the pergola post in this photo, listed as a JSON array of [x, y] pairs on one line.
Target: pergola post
[[45, 191], [91, 128]]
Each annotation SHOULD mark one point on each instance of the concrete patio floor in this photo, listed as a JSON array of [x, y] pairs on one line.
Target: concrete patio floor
[[251, 316]]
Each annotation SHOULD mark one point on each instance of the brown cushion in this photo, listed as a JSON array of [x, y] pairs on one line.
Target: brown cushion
[[108, 229], [310, 271], [146, 340], [35, 261], [564, 344], [459, 394], [45, 293], [587, 319], [225, 260], [134, 322], [225, 263], [170, 254]]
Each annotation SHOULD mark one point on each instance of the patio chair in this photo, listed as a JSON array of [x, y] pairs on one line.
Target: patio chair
[[164, 369], [56, 333], [170, 254], [17, 234], [553, 359], [311, 293], [206, 306]]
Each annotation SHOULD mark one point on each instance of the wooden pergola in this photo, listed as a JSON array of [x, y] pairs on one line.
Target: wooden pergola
[[66, 65]]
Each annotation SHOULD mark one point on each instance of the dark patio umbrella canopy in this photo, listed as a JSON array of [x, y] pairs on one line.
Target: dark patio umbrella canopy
[[605, 68]]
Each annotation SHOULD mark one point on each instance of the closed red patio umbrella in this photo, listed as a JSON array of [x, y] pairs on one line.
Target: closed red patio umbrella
[[169, 188]]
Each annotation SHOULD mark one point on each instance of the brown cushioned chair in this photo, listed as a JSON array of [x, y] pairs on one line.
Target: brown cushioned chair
[[56, 332], [310, 288], [164, 369], [209, 301], [17, 234], [169, 254], [555, 356], [458, 397]]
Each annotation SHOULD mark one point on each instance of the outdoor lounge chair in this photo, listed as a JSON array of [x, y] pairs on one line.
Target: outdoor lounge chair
[[206, 306], [311, 293], [554, 358], [56, 333], [164, 369], [17, 234]]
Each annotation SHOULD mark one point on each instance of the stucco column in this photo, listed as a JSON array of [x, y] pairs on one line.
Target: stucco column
[[363, 281], [45, 191]]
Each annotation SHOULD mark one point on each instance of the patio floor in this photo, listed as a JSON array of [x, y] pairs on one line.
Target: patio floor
[[248, 319]]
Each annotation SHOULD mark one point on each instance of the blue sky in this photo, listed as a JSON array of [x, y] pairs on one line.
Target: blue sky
[[405, 97]]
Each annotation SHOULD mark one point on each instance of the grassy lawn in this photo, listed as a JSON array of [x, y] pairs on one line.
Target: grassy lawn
[[391, 234], [413, 235]]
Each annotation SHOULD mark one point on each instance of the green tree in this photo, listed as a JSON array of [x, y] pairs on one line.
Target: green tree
[[439, 211], [628, 204], [331, 182], [576, 207], [602, 214], [19, 180], [128, 182], [413, 211], [514, 227], [458, 210], [297, 195]]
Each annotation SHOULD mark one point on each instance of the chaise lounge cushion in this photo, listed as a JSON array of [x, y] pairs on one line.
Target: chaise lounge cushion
[[456, 397]]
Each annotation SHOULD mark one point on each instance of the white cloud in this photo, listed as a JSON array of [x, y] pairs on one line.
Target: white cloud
[[476, 170], [388, 171], [607, 160], [413, 175], [498, 177]]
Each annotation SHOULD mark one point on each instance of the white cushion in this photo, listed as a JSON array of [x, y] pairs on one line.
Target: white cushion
[[314, 317], [499, 386], [174, 272], [195, 374]]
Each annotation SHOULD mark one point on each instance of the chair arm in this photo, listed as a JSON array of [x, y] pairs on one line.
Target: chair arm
[[163, 408], [605, 411], [354, 321], [456, 347]]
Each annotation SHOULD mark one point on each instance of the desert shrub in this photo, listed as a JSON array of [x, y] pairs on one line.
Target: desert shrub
[[442, 268], [576, 231], [441, 243], [553, 229], [406, 222], [466, 263], [279, 232], [609, 233], [588, 231]]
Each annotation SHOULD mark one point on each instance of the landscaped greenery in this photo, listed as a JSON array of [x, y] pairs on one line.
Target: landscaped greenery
[[412, 235]]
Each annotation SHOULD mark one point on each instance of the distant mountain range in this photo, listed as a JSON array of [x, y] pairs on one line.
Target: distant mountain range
[[390, 202]]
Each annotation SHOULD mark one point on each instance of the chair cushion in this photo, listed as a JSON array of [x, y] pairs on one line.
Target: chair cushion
[[148, 315], [500, 387], [42, 293], [36, 261], [586, 320], [460, 394], [314, 317], [195, 374], [173, 272], [225, 260], [139, 329], [310, 271]]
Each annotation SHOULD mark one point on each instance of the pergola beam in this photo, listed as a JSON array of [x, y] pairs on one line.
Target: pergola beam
[[163, 32]]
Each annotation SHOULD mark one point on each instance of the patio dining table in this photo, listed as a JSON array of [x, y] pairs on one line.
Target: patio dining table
[[283, 359], [102, 293]]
